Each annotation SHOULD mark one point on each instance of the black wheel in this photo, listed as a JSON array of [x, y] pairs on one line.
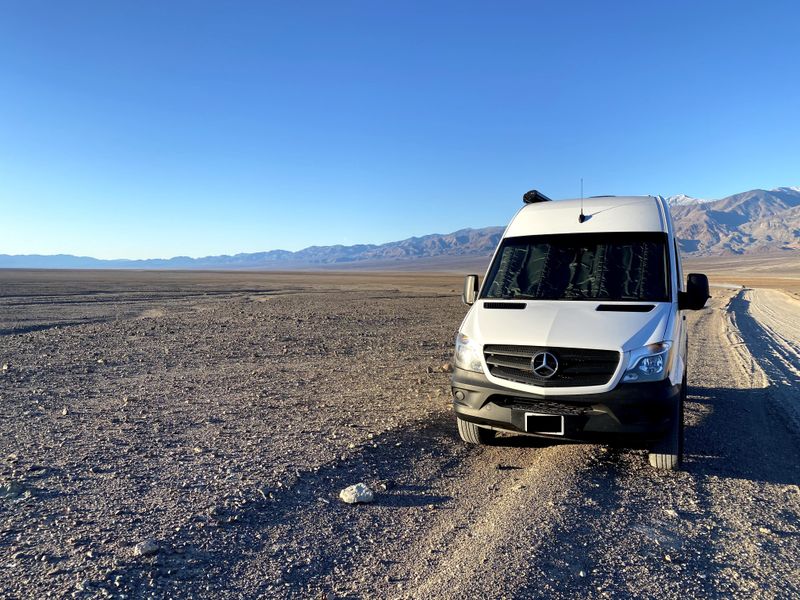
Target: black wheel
[[667, 454], [474, 434]]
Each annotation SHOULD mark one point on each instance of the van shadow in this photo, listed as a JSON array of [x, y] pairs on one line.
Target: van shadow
[[730, 433], [741, 434], [527, 441]]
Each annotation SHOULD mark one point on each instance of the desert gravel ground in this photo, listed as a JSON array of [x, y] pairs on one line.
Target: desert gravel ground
[[217, 417]]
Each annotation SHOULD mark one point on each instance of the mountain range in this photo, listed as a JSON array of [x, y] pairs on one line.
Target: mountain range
[[756, 221]]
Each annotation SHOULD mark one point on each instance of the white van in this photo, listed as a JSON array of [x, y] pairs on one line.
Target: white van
[[578, 331]]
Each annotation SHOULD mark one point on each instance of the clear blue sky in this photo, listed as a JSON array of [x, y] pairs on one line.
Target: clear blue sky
[[152, 129]]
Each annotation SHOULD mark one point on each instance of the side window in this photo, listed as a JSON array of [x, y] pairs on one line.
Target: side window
[[678, 265]]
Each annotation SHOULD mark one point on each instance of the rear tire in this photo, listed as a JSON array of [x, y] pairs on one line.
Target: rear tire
[[667, 454], [474, 434]]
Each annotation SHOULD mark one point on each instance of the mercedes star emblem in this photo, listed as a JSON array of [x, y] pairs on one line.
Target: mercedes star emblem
[[544, 365]]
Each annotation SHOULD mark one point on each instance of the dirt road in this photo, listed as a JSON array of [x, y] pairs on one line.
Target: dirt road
[[220, 420]]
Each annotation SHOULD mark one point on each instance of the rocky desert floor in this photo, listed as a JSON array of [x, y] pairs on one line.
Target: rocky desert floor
[[186, 435]]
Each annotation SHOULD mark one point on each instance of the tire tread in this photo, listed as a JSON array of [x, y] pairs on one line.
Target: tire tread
[[668, 462], [667, 454], [473, 434]]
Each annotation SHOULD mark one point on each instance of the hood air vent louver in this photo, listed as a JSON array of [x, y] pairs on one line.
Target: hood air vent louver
[[505, 305], [625, 307]]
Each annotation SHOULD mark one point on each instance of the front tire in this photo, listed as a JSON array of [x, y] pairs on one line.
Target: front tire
[[667, 454], [474, 434]]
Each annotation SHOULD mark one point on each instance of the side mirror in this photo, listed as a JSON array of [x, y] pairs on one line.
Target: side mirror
[[470, 293], [696, 294]]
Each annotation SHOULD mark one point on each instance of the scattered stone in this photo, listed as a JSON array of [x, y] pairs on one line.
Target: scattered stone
[[357, 494], [764, 530], [670, 513], [11, 489], [64, 411], [668, 558], [146, 548], [6, 367], [446, 368]]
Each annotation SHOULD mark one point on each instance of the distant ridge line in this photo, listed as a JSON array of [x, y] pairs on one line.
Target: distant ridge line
[[756, 221]]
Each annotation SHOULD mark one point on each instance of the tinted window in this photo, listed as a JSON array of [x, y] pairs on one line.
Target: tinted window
[[619, 266]]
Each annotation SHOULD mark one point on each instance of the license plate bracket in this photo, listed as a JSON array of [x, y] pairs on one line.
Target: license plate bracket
[[543, 423]]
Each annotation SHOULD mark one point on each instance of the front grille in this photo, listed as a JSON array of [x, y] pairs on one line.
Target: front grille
[[576, 366], [543, 407]]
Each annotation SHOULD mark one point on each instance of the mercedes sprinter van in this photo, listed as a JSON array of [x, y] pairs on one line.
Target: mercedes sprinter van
[[578, 330]]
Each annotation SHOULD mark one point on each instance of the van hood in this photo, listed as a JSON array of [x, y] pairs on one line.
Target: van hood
[[567, 324]]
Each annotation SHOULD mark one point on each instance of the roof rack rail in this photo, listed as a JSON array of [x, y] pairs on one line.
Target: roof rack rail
[[534, 196]]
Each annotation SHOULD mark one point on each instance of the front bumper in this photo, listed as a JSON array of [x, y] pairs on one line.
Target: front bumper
[[630, 414]]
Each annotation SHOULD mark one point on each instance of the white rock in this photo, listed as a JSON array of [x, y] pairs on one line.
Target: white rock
[[146, 548], [356, 494]]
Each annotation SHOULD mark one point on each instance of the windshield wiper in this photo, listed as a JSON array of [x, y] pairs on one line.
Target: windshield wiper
[[516, 296], [574, 295]]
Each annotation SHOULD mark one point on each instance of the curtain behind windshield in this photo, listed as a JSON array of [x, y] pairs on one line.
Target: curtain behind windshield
[[581, 267]]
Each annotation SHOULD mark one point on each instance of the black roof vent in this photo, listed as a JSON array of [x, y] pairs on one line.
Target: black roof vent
[[534, 196]]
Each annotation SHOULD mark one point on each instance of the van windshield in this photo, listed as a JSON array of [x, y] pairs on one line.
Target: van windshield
[[608, 266]]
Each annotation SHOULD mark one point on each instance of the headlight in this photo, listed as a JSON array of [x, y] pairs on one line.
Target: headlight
[[468, 354], [649, 363]]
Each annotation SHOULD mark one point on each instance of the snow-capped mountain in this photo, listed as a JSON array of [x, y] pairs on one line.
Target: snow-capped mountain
[[682, 199], [754, 221]]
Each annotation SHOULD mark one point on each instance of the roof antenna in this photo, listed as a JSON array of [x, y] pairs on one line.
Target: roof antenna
[[581, 217]]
